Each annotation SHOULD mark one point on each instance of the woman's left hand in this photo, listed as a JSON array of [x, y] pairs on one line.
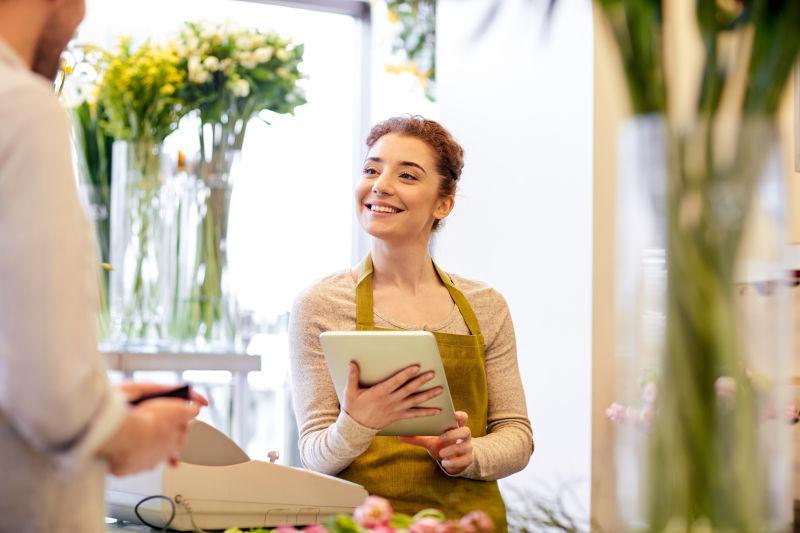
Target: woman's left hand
[[453, 449]]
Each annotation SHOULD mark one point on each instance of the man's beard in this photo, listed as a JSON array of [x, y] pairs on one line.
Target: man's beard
[[47, 56]]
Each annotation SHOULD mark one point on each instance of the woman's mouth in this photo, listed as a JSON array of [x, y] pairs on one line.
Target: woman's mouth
[[383, 209]]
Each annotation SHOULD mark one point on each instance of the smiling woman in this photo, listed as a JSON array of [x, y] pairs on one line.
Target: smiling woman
[[407, 188]]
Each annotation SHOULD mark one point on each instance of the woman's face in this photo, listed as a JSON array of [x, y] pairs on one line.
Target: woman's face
[[398, 198]]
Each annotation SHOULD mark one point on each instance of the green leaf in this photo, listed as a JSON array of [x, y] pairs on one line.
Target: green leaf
[[343, 524], [401, 521]]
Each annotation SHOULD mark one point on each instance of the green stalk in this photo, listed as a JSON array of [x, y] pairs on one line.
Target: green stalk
[[704, 459], [146, 163], [207, 313]]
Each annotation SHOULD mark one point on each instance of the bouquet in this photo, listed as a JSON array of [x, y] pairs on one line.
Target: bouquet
[[233, 75], [139, 96]]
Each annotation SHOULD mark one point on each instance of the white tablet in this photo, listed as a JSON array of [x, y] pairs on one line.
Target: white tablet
[[380, 355]]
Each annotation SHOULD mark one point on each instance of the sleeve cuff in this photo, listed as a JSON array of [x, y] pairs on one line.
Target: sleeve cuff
[[354, 434], [473, 471], [106, 421]]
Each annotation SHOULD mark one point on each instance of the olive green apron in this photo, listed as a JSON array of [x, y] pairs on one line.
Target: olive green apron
[[405, 474]]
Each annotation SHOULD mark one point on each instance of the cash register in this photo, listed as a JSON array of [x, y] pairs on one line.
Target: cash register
[[217, 486]]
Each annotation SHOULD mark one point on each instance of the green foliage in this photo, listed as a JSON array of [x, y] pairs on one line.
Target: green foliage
[[416, 37]]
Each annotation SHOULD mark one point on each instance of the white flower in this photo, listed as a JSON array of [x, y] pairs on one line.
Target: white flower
[[240, 88], [264, 54], [244, 41], [225, 64], [192, 42], [247, 59], [282, 54], [197, 74], [211, 63]]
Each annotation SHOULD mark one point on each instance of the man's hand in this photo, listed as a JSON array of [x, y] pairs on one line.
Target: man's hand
[[453, 449], [152, 432]]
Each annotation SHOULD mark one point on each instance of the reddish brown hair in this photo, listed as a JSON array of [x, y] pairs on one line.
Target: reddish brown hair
[[448, 153]]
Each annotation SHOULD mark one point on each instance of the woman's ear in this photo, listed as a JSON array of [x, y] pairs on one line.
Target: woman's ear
[[443, 206]]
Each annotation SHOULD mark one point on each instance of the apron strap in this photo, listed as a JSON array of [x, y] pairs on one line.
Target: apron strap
[[461, 302], [365, 316]]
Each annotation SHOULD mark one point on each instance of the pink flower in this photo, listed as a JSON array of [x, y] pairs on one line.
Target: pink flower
[[316, 528], [478, 521], [616, 413], [374, 512], [424, 525], [382, 529], [450, 526]]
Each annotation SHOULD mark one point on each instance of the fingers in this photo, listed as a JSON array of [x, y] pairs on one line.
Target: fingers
[[421, 397], [453, 435], [456, 450], [458, 464], [174, 410], [461, 418], [353, 377], [396, 381], [417, 412], [413, 385], [198, 398], [425, 442]]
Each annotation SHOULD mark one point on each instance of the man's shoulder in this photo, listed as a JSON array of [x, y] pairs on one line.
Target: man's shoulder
[[23, 93]]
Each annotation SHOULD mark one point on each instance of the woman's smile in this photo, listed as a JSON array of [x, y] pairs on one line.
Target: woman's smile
[[382, 209]]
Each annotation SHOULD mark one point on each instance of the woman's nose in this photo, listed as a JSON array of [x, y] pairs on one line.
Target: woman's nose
[[382, 185]]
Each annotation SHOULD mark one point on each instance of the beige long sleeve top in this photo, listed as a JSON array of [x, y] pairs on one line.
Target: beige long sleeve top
[[56, 404], [330, 439]]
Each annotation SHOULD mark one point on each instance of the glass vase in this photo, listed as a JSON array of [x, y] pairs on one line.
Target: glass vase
[[138, 292], [206, 311], [702, 313]]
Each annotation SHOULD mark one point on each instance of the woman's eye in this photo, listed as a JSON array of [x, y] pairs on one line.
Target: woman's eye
[[370, 170], [407, 176]]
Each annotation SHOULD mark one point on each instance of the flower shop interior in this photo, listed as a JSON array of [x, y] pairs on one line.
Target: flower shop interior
[[631, 187]]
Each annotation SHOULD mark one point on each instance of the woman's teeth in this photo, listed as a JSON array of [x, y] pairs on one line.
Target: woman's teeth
[[383, 209]]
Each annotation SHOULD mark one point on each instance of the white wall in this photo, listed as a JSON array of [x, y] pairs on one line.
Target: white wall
[[519, 99]]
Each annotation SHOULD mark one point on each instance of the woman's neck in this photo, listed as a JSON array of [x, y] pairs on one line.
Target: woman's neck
[[407, 267]]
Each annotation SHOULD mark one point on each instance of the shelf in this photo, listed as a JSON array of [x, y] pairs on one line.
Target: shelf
[[128, 362]]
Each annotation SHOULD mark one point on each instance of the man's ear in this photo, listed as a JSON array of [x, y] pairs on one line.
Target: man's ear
[[444, 206]]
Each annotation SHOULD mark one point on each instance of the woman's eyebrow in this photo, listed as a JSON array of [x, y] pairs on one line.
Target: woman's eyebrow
[[402, 163]]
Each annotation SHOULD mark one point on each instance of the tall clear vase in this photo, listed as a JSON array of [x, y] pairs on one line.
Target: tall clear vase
[[138, 292], [206, 311], [702, 311]]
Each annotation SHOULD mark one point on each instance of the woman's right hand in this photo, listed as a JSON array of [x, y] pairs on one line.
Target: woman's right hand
[[151, 433], [396, 398]]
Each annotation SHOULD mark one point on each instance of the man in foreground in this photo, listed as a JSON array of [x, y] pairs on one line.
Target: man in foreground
[[62, 425]]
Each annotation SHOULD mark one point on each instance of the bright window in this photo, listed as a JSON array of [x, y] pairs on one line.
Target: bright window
[[291, 212]]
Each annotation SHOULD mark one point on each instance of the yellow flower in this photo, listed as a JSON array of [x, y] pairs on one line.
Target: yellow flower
[[167, 89]]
